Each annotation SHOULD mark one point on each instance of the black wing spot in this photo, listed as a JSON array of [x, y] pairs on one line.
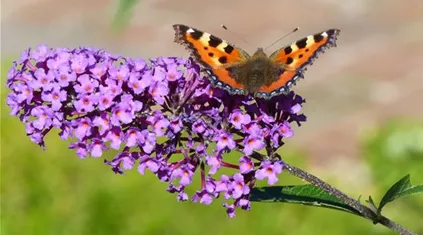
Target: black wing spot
[[211, 54], [206, 48], [302, 43], [223, 60], [307, 50], [288, 50], [318, 37], [289, 60], [214, 41], [196, 34], [300, 56], [229, 49]]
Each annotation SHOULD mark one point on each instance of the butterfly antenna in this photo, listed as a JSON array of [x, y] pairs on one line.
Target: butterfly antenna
[[236, 34], [284, 36]]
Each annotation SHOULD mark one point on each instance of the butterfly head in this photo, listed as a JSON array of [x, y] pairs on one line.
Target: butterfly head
[[259, 53]]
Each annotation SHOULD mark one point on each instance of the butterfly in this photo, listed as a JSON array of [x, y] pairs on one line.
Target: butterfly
[[234, 70]]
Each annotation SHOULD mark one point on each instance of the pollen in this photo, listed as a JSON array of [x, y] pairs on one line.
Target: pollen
[[269, 170], [105, 101]]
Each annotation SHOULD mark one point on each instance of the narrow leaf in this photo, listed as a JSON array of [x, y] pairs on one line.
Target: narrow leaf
[[371, 204], [400, 189], [300, 194]]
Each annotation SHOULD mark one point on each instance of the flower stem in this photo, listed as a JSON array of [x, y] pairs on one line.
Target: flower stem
[[364, 211]]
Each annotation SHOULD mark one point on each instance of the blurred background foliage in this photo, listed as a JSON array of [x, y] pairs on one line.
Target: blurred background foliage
[[123, 14], [53, 192]]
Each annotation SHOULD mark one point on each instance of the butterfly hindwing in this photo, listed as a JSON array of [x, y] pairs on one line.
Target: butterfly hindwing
[[214, 54], [296, 57], [280, 86]]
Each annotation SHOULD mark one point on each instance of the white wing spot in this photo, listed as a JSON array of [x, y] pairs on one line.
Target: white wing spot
[[205, 38], [310, 40], [222, 46], [190, 30]]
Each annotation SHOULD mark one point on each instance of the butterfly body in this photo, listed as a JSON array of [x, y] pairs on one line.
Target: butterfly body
[[255, 72], [234, 70]]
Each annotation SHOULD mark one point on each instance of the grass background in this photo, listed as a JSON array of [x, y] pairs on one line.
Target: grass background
[[54, 192]]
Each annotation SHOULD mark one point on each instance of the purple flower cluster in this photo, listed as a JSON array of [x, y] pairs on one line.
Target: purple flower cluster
[[162, 116]]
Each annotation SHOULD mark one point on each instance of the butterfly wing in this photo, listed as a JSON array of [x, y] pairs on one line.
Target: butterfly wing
[[295, 58], [214, 54]]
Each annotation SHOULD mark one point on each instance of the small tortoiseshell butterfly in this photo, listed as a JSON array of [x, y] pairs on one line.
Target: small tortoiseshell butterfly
[[234, 70]]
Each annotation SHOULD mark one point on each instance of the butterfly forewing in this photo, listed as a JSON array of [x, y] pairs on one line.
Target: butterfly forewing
[[214, 54], [302, 52], [208, 49]]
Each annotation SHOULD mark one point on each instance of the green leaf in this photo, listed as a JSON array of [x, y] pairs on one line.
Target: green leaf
[[400, 189], [123, 13], [309, 195]]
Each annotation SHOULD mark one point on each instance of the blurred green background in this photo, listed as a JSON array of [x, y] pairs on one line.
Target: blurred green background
[[365, 128]]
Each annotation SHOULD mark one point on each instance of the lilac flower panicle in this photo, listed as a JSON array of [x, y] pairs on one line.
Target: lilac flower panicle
[[162, 116]]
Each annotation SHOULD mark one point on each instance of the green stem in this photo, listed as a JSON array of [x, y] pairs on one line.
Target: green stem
[[364, 211]]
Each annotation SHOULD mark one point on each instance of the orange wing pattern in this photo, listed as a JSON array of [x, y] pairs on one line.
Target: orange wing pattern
[[295, 59], [214, 54]]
